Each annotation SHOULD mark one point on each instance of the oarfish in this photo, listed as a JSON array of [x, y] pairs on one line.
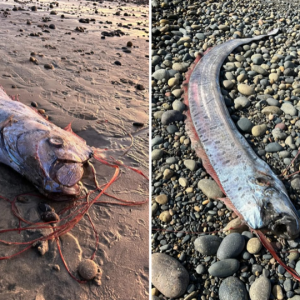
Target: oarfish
[[53, 159], [255, 193]]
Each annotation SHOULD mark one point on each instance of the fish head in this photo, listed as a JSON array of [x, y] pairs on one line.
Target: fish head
[[53, 159], [277, 213]]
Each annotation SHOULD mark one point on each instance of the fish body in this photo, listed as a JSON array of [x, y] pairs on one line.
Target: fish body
[[52, 158], [252, 189]]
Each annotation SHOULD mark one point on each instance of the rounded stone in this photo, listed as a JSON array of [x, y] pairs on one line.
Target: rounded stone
[[241, 102], [259, 130], [274, 110], [273, 77], [231, 246], [297, 268], [289, 109], [210, 188], [277, 292], [170, 116], [254, 245], [183, 181], [278, 134], [246, 89], [168, 275], [244, 125], [260, 289], [156, 154], [178, 105], [87, 269], [257, 59], [228, 84], [259, 70], [224, 268], [207, 244], [273, 147], [161, 199], [191, 164], [165, 216], [232, 288], [200, 269], [161, 74]]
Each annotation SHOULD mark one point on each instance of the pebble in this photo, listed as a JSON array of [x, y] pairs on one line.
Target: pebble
[[49, 66], [241, 102], [246, 89], [191, 164], [161, 199], [278, 134], [260, 289], [231, 246], [87, 269], [207, 244], [165, 216], [274, 110], [210, 188], [273, 147], [296, 297], [232, 288], [224, 268], [244, 125], [171, 116], [259, 130], [200, 269], [161, 74], [178, 105], [297, 267], [289, 109], [156, 154], [254, 245], [228, 84], [168, 275], [277, 292]]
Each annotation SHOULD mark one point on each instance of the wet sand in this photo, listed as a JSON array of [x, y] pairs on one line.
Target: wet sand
[[92, 79]]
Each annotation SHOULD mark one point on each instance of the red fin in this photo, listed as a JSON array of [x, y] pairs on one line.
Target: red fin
[[69, 128], [269, 247]]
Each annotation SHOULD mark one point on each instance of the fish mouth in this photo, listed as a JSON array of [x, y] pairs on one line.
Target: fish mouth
[[285, 226], [66, 176]]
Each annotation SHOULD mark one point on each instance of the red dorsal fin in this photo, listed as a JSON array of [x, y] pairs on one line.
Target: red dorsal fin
[[69, 128]]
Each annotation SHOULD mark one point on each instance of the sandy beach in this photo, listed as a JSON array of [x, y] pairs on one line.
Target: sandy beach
[[80, 62]]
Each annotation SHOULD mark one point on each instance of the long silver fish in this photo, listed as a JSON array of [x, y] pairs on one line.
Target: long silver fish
[[51, 158], [253, 190]]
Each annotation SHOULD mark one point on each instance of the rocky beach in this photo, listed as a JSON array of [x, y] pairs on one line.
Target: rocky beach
[[192, 235], [82, 63]]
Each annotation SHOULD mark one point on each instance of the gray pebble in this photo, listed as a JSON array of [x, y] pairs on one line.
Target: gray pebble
[[168, 275], [170, 116], [273, 147], [210, 188], [241, 102], [224, 268], [161, 74], [260, 289], [207, 244], [232, 288], [244, 125], [231, 246], [156, 154], [191, 164]]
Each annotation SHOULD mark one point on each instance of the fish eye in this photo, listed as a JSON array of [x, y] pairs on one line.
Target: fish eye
[[262, 181], [56, 141], [269, 191]]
